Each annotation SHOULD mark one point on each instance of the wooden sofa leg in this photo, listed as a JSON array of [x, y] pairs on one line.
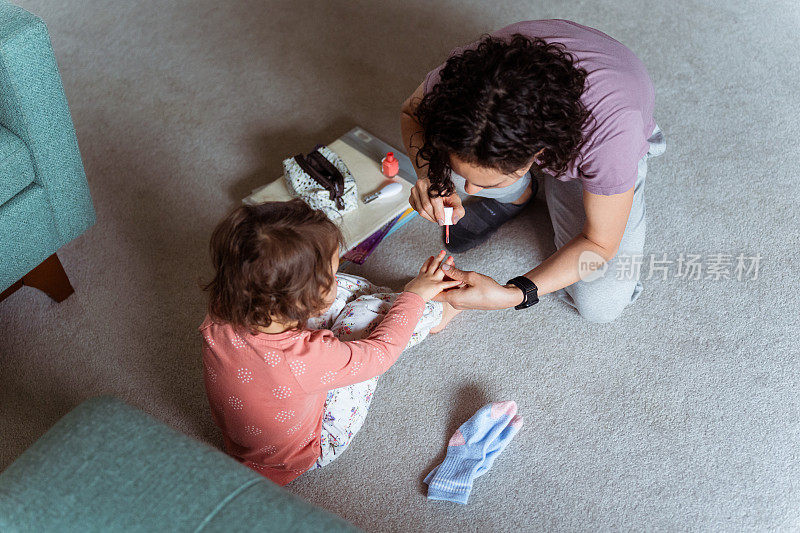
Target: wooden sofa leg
[[50, 278], [11, 290]]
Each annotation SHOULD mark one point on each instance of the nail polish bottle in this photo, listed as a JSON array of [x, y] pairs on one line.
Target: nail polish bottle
[[390, 166]]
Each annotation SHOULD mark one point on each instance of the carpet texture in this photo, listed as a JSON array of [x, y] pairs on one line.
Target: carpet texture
[[683, 414]]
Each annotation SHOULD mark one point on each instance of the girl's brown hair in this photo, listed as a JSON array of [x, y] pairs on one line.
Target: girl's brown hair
[[272, 262]]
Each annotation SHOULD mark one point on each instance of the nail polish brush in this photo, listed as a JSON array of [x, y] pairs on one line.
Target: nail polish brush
[[448, 221]]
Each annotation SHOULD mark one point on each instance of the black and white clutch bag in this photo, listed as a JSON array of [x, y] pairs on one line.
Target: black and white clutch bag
[[322, 180]]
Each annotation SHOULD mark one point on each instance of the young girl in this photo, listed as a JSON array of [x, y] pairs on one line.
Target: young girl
[[288, 394]]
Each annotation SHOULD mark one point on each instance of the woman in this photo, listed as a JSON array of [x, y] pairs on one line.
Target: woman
[[550, 95]]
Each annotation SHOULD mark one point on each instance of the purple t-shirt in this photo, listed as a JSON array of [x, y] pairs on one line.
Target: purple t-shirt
[[618, 93]]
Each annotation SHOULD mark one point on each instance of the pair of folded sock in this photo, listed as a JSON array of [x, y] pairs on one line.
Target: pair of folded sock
[[472, 451]]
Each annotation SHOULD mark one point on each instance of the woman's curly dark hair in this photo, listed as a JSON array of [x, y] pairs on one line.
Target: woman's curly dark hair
[[272, 262], [498, 104]]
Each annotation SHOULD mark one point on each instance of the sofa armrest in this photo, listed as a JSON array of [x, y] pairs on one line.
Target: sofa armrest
[[34, 108], [107, 466]]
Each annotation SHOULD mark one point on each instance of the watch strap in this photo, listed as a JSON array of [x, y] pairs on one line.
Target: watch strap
[[529, 290]]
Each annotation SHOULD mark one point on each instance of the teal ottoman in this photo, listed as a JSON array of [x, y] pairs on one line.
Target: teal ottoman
[[107, 466]]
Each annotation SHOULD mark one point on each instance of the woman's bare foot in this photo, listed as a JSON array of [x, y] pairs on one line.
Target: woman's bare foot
[[448, 313]]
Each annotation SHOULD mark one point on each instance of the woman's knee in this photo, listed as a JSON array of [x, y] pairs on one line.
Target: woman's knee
[[602, 306]]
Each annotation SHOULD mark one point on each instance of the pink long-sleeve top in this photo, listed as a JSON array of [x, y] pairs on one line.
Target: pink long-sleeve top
[[267, 391]]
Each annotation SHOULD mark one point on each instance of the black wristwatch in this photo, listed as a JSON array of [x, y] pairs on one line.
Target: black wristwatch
[[529, 290]]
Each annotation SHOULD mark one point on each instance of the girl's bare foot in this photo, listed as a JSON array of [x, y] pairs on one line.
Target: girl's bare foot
[[447, 315]]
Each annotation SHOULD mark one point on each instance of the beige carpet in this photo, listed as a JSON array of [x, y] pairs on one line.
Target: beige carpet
[[684, 414]]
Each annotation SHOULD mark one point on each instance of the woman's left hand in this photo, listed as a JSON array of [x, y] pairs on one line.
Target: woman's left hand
[[478, 291]]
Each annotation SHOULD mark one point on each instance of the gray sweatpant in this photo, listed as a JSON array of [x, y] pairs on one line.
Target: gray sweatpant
[[603, 299]]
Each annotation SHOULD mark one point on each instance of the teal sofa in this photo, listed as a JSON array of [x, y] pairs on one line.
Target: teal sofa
[[107, 466], [44, 196]]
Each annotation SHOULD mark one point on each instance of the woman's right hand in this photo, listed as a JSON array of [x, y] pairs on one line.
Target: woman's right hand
[[433, 208]]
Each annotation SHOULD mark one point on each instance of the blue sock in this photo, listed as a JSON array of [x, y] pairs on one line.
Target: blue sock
[[472, 450], [494, 450]]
